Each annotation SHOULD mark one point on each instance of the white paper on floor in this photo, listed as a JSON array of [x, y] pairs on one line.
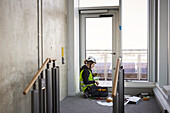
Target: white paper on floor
[[105, 103]]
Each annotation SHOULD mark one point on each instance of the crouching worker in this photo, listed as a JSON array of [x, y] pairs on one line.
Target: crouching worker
[[87, 82]]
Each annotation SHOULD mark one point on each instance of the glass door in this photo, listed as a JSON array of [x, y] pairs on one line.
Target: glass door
[[98, 38], [99, 45]]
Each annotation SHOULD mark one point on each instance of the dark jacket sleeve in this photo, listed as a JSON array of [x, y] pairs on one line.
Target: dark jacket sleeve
[[85, 76]]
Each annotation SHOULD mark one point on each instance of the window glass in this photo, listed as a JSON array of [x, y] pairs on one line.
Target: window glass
[[97, 3], [99, 45], [134, 38], [99, 33]]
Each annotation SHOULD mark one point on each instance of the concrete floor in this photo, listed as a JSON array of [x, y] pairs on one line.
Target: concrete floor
[[78, 104]]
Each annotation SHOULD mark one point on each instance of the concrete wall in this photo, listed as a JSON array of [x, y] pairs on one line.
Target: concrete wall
[[19, 48], [55, 37]]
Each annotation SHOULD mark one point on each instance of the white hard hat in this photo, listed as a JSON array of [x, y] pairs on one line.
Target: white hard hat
[[91, 58]]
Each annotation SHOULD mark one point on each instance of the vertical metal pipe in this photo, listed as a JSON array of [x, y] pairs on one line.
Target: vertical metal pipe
[[57, 90], [156, 40], [53, 90], [43, 85], [118, 101], [42, 38], [41, 91], [34, 100], [40, 94], [54, 64], [44, 100], [115, 104], [38, 38], [48, 90], [121, 90], [168, 78]]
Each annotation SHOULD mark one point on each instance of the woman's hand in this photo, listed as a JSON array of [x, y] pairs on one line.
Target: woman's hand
[[95, 74], [97, 82]]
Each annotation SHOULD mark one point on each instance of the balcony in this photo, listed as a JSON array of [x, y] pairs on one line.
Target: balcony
[[134, 62]]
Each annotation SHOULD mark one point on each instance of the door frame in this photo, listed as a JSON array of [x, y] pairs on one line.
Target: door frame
[[116, 40]]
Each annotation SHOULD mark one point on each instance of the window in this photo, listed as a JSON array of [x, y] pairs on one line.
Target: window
[[99, 45], [135, 39], [97, 3]]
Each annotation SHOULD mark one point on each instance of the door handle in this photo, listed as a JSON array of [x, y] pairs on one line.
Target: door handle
[[113, 53]]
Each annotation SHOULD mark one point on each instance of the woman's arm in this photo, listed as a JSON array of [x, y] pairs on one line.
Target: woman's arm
[[85, 76]]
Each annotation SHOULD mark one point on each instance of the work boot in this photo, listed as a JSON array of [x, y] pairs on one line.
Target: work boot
[[86, 95], [89, 95]]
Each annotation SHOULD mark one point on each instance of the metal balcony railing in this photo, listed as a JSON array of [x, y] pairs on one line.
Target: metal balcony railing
[[104, 63], [134, 62]]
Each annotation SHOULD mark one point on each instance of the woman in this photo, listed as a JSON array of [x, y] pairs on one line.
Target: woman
[[86, 75]]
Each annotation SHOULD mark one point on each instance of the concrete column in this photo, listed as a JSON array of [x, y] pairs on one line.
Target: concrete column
[[73, 48], [162, 68]]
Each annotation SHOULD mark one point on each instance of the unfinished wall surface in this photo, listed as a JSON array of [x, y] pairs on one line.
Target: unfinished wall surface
[[55, 37], [19, 48]]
